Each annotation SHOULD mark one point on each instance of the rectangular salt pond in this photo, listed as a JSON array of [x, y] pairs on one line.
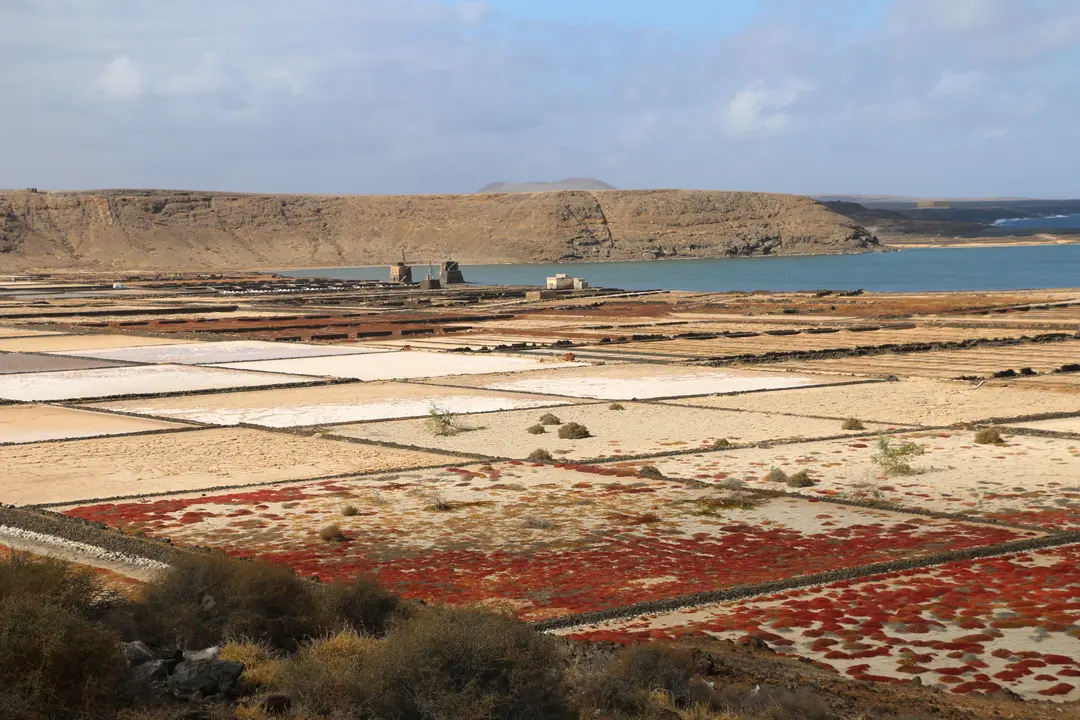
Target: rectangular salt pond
[[205, 353], [293, 407], [628, 382], [398, 365], [65, 343], [133, 380], [35, 423]]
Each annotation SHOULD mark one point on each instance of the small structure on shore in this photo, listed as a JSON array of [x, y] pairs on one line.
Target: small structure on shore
[[450, 273], [400, 272], [562, 281], [430, 283], [933, 205]]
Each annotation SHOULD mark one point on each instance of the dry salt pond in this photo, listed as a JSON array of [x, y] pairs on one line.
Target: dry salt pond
[[541, 541], [64, 343], [974, 626], [629, 429], [219, 352], [35, 423], [353, 402], [639, 382]]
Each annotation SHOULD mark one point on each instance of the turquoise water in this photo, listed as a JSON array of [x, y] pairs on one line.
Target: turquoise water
[[978, 268]]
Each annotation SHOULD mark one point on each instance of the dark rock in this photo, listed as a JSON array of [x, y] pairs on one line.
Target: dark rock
[[756, 643], [205, 677], [136, 653], [149, 671]]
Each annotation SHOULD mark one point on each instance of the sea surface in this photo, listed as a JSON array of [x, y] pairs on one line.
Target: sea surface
[[1050, 222], [914, 270]]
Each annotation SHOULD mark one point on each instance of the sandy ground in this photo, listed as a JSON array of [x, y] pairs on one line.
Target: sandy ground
[[62, 343], [148, 464], [220, 352], [1064, 425], [912, 627], [11, 362], [948, 364], [16, 332], [541, 541], [638, 429], [916, 401], [133, 380], [291, 407], [397, 366], [34, 423], [631, 382], [1033, 480]]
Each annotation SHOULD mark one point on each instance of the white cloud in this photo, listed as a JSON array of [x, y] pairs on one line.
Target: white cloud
[[121, 80], [957, 84], [206, 77], [759, 106]]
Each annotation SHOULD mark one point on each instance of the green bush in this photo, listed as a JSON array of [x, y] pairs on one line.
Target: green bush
[[574, 431], [893, 459]]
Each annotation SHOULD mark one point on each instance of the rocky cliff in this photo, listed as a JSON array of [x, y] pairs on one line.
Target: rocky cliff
[[171, 230]]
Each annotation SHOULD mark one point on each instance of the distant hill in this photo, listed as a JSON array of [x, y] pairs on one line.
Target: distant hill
[[530, 187]]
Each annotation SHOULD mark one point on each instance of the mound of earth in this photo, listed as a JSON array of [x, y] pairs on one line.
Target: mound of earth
[[181, 231]]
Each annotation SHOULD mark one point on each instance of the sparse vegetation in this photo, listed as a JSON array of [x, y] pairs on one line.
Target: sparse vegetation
[[437, 502], [721, 443], [443, 423], [536, 429], [776, 475], [650, 471], [989, 436], [538, 523], [894, 459], [349, 510], [616, 406], [853, 424], [332, 533], [800, 479], [539, 455], [645, 519], [574, 431], [549, 419]]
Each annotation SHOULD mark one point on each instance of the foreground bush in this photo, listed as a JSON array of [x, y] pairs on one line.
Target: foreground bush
[[630, 684]]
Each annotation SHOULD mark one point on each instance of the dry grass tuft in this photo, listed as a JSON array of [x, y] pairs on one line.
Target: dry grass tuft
[[537, 429], [574, 431], [349, 510], [721, 443], [616, 406], [539, 455], [989, 436], [776, 475], [332, 533], [549, 419], [800, 479], [853, 424]]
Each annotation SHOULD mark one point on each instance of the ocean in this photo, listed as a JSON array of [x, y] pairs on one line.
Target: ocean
[[914, 270]]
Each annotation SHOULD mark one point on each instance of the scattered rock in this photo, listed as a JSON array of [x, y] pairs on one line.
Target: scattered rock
[[136, 653], [205, 677]]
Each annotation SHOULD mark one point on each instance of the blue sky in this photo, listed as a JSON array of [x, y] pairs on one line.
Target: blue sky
[[908, 97]]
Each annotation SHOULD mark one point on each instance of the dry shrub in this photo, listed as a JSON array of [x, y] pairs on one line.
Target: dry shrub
[[630, 683], [616, 406], [649, 471], [721, 443], [349, 510], [537, 429], [538, 523], [644, 519], [466, 664], [989, 436], [54, 581], [362, 605], [800, 479], [853, 424], [332, 533], [262, 665], [206, 599], [327, 677], [776, 475], [574, 431], [549, 419], [539, 455]]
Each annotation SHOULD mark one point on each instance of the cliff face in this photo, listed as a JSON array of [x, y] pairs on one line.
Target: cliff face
[[164, 230]]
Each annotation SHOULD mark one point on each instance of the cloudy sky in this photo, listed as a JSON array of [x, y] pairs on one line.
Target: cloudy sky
[[912, 97]]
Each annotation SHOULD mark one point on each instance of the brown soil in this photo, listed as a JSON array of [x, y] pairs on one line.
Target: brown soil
[[136, 229]]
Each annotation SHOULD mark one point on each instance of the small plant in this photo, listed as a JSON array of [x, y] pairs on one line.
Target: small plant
[[853, 424], [645, 519], [443, 423], [539, 455], [536, 429], [776, 475], [349, 510], [574, 431], [989, 436], [649, 471], [800, 479], [332, 533], [732, 484], [616, 406], [538, 523], [437, 502], [549, 419], [893, 459], [721, 443]]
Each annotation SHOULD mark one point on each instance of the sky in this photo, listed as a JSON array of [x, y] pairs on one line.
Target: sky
[[946, 98]]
